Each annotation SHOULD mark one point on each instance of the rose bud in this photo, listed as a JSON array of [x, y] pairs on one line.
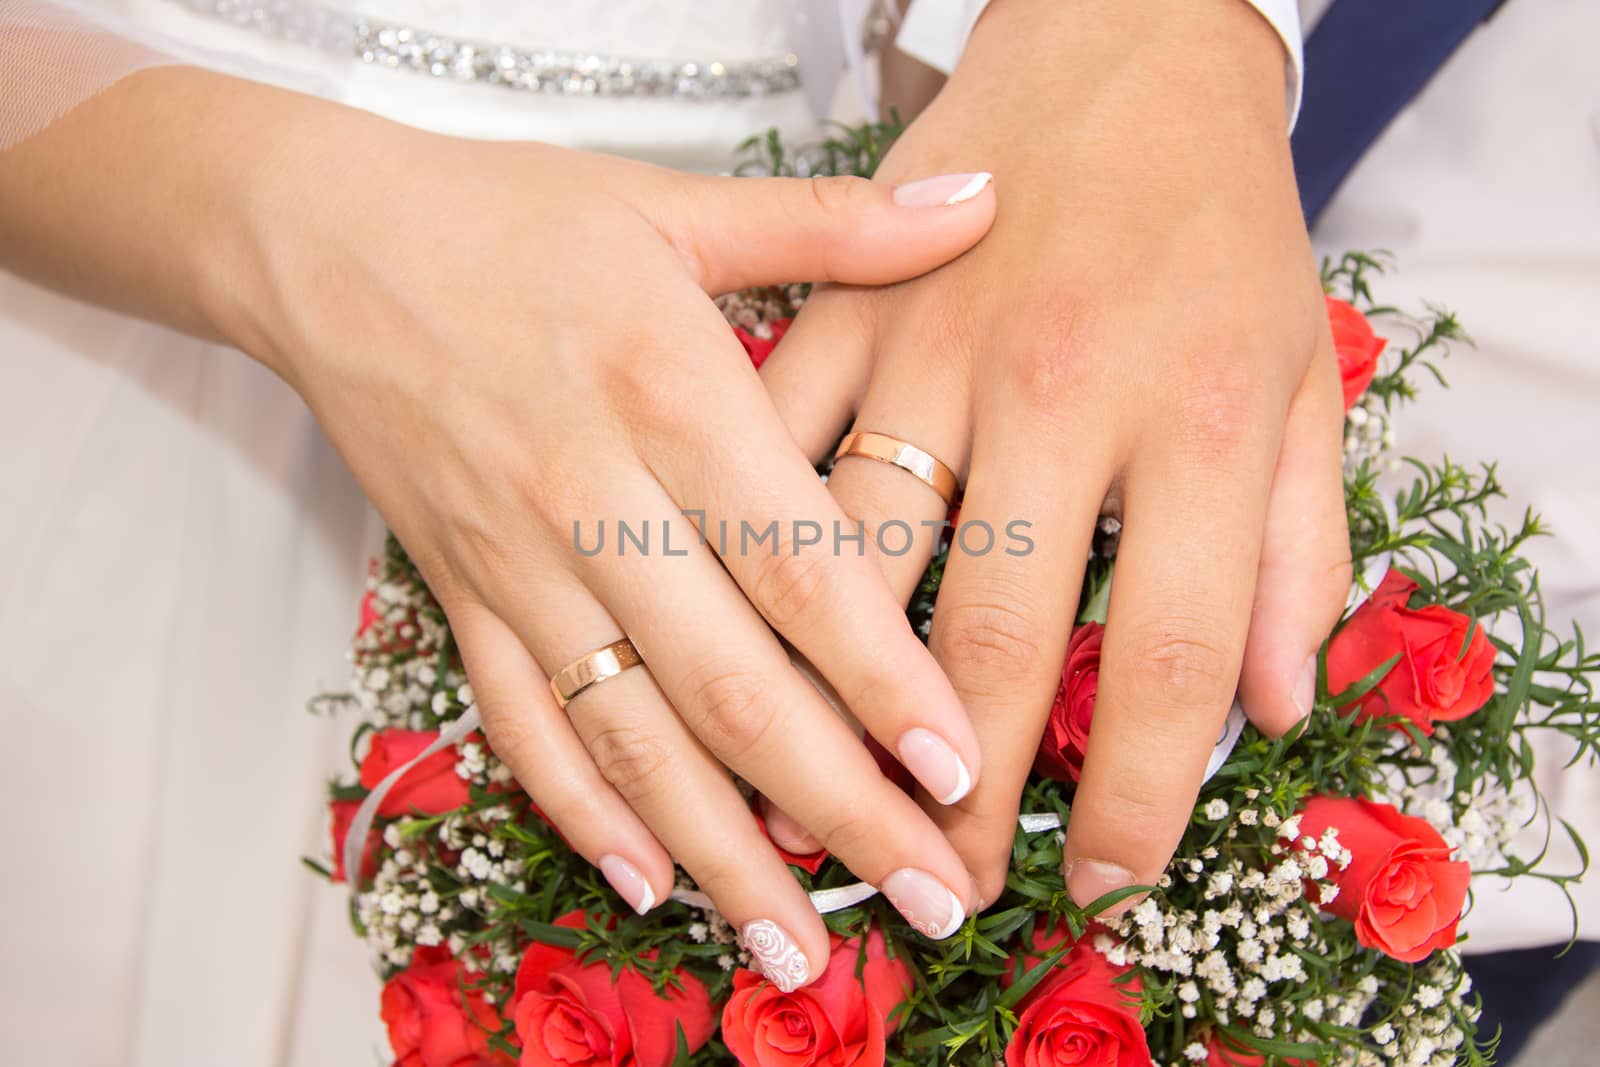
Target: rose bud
[[840, 1020], [1402, 890], [1066, 735], [1446, 665], [1358, 348], [571, 1014], [432, 787], [1085, 1008]]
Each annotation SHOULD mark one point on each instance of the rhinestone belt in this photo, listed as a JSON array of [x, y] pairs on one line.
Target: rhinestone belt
[[509, 66]]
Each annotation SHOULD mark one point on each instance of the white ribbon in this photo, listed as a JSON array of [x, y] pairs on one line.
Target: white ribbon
[[355, 839], [824, 900]]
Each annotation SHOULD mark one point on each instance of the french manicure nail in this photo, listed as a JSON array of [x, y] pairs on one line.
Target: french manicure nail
[[1305, 687], [943, 191], [927, 903], [628, 882], [932, 761], [775, 952], [1089, 880]]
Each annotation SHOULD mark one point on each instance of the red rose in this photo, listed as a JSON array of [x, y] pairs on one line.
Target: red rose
[[759, 348], [810, 862], [1081, 1015], [1434, 680], [431, 1023], [839, 1020], [369, 612], [1222, 1052], [1402, 890], [569, 1014], [432, 787], [343, 811], [1358, 348], [1066, 736]]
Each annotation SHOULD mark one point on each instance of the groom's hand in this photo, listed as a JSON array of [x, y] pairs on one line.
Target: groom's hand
[[1141, 333]]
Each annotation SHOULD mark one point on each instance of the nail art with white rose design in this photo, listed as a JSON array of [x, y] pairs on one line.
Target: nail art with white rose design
[[774, 951]]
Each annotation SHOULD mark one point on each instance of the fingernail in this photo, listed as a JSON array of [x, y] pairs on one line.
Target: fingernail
[[1089, 880], [1305, 687], [943, 191], [628, 882], [775, 952], [935, 764], [927, 903]]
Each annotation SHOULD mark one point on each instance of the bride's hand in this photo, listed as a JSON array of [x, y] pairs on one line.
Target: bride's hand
[[511, 344], [1141, 333]]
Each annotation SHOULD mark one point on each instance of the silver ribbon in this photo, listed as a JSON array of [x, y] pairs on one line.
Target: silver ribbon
[[355, 839]]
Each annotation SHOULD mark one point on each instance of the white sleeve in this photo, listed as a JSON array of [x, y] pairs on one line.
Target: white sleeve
[[936, 31]]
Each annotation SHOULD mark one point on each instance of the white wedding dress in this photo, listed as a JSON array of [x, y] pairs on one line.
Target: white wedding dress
[[181, 551], [181, 557]]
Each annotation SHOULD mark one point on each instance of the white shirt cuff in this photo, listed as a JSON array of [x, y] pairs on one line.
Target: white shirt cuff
[[936, 32]]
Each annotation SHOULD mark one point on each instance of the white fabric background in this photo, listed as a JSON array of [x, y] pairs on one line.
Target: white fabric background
[[181, 551], [1487, 190], [180, 561]]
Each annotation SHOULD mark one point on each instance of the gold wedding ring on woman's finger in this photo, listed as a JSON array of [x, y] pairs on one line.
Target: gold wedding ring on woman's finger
[[923, 466], [592, 668]]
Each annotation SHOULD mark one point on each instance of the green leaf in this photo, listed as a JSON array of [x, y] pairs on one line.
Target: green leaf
[[549, 933], [1116, 896], [1032, 977], [1365, 685]]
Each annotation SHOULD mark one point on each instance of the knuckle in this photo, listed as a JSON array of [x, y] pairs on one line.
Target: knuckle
[[646, 395], [851, 833], [844, 194], [717, 873], [1057, 361], [631, 759], [511, 738], [1170, 665], [986, 641], [1220, 420], [789, 585], [731, 711]]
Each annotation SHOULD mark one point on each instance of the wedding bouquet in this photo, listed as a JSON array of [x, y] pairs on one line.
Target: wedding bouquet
[[1310, 915]]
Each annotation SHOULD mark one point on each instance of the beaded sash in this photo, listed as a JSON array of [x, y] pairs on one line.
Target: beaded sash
[[438, 55]]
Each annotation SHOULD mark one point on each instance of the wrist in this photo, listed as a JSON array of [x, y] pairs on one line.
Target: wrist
[[1190, 56], [271, 175]]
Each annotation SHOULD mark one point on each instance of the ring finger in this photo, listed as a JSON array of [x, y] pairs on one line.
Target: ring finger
[[644, 753], [733, 685]]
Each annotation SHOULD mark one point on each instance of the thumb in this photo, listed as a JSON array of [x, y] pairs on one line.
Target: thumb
[[742, 232]]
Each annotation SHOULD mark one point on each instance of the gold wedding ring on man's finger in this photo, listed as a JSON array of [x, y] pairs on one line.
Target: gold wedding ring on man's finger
[[923, 466]]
